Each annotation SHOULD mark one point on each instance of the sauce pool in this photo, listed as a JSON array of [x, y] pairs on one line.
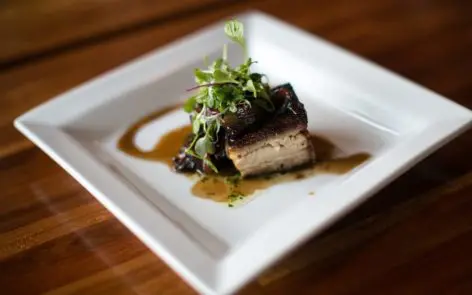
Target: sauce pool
[[218, 188], [167, 147]]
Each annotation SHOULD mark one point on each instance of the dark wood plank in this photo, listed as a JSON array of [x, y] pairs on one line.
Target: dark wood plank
[[412, 237], [30, 27], [403, 256]]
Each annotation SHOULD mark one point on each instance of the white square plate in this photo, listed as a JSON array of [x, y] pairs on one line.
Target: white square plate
[[357, 105]]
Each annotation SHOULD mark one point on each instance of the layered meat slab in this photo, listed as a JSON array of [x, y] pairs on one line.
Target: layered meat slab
[[280, 143], [258, 142]]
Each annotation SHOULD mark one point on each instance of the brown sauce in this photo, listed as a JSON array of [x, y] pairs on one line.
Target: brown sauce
[[167, 147], [218, 188], [324, 148]]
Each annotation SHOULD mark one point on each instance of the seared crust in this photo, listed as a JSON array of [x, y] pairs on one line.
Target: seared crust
[[290, 116], [279, 142]]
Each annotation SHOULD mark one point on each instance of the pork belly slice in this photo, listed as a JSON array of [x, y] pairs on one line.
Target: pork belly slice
[[277, 153], [279, 144]]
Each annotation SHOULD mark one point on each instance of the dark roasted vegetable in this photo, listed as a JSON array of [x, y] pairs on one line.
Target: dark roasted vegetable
[[184, 162], [282, 97], [245, 116]]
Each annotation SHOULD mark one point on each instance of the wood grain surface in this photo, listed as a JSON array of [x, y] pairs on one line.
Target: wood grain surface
[[413, 237], [36, 28]]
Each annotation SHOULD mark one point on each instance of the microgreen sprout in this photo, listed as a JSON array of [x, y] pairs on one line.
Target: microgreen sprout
[[221, 89]]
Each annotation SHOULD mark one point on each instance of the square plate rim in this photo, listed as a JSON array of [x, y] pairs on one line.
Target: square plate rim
[[434, 135]]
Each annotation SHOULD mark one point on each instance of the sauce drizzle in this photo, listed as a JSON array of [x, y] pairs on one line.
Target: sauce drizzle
[[218, 188], [167, 147]]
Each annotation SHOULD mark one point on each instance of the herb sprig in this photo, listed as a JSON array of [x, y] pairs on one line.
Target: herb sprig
[[220, 90]]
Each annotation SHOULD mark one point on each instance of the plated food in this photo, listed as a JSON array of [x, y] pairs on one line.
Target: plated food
[[240, 124], [352, 106], [243, 135]]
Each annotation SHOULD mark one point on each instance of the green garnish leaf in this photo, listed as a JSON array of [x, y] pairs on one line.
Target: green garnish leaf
[[210, 164], [204, 146], [196, 125], [200, 146], [217, 64], [190, 104], [209, 146], [221, 89], [211, 99], [250, 87], [191, 153], [225, 52], [220, 76], [202, 77], [235, 31]]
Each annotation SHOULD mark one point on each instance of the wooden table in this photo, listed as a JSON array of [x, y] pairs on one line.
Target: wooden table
[[414, 237]]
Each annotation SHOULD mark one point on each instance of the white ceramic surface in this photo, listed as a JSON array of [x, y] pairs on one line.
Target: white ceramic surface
[[357, 105]]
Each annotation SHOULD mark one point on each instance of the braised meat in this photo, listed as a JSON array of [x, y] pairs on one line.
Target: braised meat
[[256, 141], [280, 143]]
